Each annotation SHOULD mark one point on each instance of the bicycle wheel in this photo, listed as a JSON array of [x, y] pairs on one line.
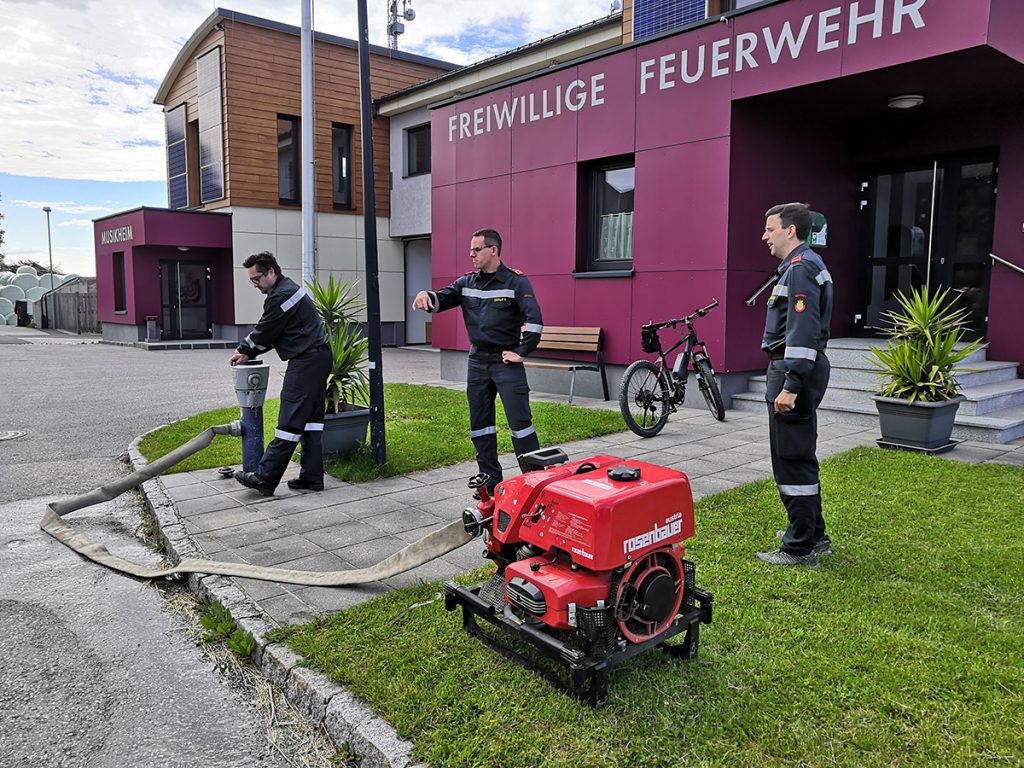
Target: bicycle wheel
[[709, 387], [644, 398]]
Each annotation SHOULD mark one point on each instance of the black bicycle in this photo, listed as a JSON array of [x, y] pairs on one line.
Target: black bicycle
[[651, 391]]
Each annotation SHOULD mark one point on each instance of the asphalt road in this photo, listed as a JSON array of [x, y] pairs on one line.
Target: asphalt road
[[81, 405], [94, 670]]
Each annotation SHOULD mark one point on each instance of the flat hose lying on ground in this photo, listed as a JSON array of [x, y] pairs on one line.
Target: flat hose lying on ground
[[431, 546]]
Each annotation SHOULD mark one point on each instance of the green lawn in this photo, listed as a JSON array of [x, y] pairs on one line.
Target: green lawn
[[424, 427], [905, 648]]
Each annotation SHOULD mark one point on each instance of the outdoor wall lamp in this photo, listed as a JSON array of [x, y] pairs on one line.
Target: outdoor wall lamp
[[906, 101]]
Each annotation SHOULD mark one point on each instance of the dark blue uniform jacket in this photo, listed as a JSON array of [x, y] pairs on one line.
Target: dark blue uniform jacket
[[799, 313], [500, 310], [290, 323]]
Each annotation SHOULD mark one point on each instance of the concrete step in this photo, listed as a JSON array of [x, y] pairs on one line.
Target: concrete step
[[855, 353], [998, 426], [979, 401], [974, 374], [992, 411]]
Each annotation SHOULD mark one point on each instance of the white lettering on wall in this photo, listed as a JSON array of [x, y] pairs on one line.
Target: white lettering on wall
[[795, 38], [901, 10], [117, 235], [718, 56], [745, 45], [825, 29], [875, 17], [775, 46]]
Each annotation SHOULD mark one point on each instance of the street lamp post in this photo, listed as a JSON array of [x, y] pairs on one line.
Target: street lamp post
[[49, 242], [49, 247]]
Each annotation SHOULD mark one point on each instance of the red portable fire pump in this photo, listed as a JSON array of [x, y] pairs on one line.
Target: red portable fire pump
[[590, 565]]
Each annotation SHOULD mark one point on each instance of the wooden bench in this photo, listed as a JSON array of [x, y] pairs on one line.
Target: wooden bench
[[557, 338]]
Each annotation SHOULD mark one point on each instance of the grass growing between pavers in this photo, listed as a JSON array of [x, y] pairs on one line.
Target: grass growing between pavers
[[424, 427], [905, 648]]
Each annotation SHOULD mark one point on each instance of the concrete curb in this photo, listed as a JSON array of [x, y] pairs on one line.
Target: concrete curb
[[347, 721]]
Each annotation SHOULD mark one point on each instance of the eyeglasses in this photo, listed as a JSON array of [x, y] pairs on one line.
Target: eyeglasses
[[256, 280], [475, 251]]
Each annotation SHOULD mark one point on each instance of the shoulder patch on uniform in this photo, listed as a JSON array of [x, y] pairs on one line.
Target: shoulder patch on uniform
[[796, 259], [517, 271], [800, 305]]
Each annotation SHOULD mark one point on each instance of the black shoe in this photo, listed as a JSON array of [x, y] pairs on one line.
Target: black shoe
[[822, 546], [778, 557], [299, 484], [254, 481]]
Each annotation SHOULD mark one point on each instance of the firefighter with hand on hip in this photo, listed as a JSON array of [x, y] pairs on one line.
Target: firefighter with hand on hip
[[795, 336], [504, 324], [291, 325]]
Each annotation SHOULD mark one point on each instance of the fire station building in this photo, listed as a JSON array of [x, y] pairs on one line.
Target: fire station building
[[627, 163], [631, 184]]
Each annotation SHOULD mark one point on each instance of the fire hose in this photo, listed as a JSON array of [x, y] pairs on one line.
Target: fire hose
[[431, 546]]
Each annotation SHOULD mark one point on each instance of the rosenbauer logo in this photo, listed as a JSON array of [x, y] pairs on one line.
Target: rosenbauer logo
[[672, 526]]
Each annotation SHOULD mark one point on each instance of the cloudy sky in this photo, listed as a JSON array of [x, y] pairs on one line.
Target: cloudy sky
[[80, 133]]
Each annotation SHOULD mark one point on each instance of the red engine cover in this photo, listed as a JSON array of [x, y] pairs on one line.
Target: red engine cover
[[561, 586], [599, 522]]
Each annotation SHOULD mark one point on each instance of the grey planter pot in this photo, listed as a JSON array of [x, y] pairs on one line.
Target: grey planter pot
[[919, 426], [344, 432]]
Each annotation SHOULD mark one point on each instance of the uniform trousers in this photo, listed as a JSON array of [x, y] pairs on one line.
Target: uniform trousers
[[794, 441], [487, 377], [301, 418]]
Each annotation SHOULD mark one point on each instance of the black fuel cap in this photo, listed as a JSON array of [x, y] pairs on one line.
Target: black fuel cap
[[624, 474]]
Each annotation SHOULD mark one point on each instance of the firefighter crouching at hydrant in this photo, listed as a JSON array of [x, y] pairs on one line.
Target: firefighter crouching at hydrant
[[291, 325], [504, 324], [795, 336]]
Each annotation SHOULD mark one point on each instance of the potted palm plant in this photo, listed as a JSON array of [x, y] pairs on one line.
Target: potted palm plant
[[920, 395], [346, 414]]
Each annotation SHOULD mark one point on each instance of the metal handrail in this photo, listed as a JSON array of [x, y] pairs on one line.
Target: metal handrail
[[764, 286], [1004, 262]]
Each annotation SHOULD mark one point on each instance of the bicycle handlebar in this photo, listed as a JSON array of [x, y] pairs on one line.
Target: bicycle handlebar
[[688, 319]]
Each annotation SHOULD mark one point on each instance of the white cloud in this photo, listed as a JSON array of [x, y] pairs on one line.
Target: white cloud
[[87, 223], [78, 77], [62, 207]]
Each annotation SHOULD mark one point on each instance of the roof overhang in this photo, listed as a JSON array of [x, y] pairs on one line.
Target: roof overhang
[[221, 15], [598, 36]]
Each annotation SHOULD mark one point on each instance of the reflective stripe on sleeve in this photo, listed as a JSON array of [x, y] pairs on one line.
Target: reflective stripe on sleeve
[[533, 328], [801, 353], [477, 293], [313, 426], [799, 490], [293, 299], [291, 437], [482, 432], [257, 347], [780, 290], [823, 277], [523, 432]]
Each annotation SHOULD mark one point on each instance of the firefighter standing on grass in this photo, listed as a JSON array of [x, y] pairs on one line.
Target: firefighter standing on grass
[[504, 323], [795, 336]]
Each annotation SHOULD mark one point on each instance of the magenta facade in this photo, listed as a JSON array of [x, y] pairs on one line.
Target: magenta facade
[[156, 247], [785, 102]]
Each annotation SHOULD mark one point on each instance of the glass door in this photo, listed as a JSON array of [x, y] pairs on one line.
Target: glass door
[[927, 223], [185, 300]]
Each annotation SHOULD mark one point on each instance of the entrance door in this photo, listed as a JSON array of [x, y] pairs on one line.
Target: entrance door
[[928, 223], [185, 300], [417, 278]]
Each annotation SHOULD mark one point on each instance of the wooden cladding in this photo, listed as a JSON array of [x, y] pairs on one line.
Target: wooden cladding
[[261, 70]]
